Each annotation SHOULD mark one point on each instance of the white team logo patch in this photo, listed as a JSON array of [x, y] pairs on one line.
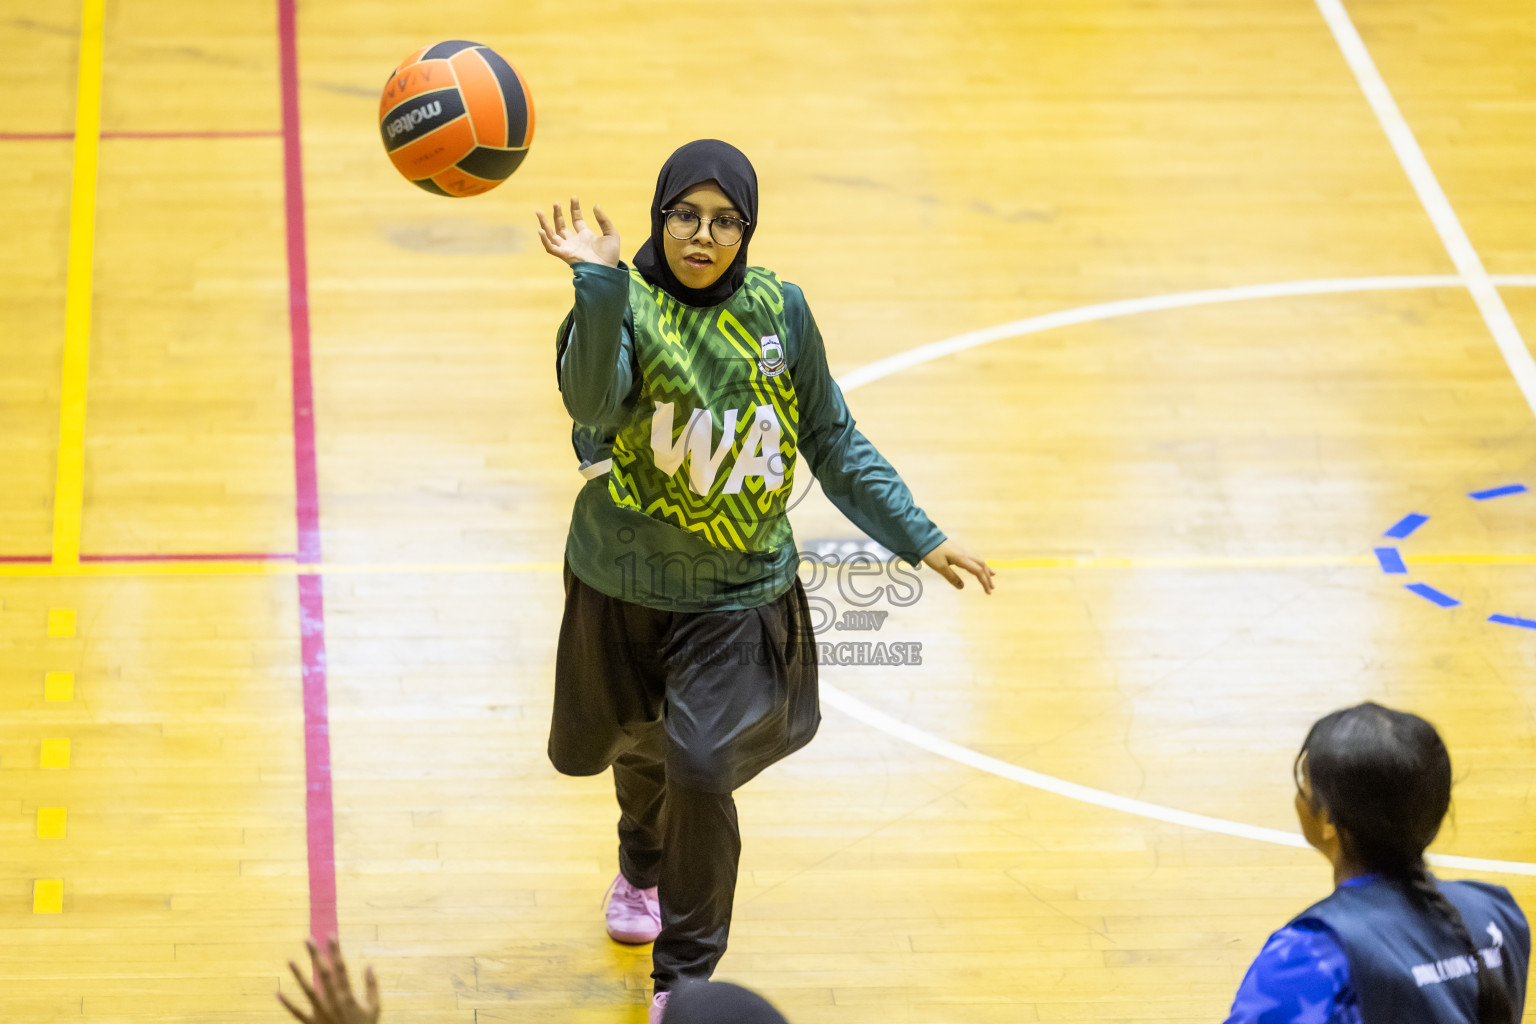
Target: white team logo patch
[[772, 362]]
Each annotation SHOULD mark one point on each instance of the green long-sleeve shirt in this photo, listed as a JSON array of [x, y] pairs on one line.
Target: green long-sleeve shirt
[[637, 557]]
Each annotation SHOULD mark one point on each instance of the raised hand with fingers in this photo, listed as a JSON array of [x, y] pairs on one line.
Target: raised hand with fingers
[[333, 1002], [578, 243]]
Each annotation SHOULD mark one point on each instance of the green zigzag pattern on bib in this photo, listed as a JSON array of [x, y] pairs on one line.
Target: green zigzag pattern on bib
[[708, 358]]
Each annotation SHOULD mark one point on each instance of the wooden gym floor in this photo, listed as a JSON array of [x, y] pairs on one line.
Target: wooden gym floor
[[278, 492]]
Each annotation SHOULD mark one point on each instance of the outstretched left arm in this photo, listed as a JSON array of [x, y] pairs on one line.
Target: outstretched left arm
[[855, 476]]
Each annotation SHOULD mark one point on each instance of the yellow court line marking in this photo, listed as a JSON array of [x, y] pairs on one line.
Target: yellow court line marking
[[61, 622], [48, 896], [284, 569], [1174, 562], [54, 755], [50, 822], [1255, 561], [59, 686], [69, 483]]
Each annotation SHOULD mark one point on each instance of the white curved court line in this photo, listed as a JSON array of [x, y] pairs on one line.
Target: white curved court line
[[857, 709], [898, 729], [881, 368]]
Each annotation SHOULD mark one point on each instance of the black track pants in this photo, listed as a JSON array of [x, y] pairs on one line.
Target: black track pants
[[686, 707], [688, 844]]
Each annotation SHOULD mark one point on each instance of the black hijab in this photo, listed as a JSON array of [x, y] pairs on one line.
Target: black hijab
[[719, 1002], [691, 165]]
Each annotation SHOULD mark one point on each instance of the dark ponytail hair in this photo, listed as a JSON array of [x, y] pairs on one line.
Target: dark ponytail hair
[[1384, 777]]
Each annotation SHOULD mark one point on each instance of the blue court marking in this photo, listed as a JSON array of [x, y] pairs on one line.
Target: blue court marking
[[1513, 620], [1429, 593], [1409, 523], [1390, 560], [1498, 492]]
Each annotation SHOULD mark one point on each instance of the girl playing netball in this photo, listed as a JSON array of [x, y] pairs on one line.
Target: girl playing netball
[[686, 658], [1392, 945]]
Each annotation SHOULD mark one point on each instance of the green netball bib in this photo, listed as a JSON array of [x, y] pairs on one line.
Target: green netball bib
[[710, 444]]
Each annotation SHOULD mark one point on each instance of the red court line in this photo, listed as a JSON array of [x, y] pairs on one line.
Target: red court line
[[255, 134], [319, 812], [237, 556], [62, 136], [26, 558]]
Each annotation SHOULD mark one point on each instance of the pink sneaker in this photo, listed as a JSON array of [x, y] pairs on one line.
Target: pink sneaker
[[658, 1007], [634, 915]]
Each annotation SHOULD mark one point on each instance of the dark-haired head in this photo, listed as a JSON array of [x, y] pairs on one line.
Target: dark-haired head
[[1384, 779], [695, 261], [719, 1002], [1373, 786]]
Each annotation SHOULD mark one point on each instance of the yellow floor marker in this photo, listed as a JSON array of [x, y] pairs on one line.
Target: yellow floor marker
[[50, 823], [61, 622], [48, 896], [55, 754], [69, 484], [59, 686]]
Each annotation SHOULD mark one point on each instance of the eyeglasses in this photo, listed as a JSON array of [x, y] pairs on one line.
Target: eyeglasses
[[684, 224]]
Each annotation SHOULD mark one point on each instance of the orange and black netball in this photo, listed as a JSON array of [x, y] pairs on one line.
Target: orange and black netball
[[456, 118]]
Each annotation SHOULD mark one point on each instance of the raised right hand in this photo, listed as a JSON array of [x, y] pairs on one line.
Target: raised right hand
[[578, 243]]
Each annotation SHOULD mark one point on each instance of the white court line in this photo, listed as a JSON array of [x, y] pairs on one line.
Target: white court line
[[881, 368], [1455, 239], [856, 708], [898, 729]]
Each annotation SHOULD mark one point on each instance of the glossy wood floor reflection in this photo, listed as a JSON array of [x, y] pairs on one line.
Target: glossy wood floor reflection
[[1184, 502]]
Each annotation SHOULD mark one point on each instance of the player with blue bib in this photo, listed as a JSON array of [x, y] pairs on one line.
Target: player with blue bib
[[1392, 944]]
